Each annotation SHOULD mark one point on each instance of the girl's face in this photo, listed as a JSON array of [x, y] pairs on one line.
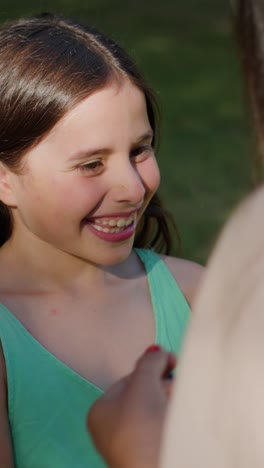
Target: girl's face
[[85, 186]]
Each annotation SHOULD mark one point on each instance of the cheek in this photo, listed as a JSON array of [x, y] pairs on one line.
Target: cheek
[[47, 200], [150, 175]]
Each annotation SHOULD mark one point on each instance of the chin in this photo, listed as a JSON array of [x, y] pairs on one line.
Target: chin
[[115, 256]]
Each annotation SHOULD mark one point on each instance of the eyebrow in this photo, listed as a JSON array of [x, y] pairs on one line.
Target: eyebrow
[[149, 134], [97, 151]]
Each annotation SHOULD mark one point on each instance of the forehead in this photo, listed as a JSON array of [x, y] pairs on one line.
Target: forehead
[[109, 106], [113, 118]]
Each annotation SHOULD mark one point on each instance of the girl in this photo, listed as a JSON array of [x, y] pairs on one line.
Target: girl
[[82, 292]]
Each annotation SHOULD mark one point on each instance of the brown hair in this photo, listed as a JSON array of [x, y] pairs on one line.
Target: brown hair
[[48, 64], [249, 28]]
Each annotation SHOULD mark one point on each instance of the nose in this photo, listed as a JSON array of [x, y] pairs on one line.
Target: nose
[[129, 186]]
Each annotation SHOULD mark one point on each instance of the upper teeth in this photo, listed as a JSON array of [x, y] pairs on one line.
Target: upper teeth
[[121, 222]]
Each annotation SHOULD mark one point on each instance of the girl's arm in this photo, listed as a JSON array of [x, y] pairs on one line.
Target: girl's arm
[[6, 452]]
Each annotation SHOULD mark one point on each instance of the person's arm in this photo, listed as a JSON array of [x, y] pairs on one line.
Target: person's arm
[[126, 423], [6, 452], [216, 409]]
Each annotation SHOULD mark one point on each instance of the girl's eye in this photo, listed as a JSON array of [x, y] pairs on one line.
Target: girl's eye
[[92, 167], [141, 153]]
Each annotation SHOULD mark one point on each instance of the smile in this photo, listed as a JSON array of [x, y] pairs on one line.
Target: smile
[[113, 225], [114, 229]]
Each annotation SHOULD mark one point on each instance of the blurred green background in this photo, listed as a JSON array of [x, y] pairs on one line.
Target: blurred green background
[[187, 51]]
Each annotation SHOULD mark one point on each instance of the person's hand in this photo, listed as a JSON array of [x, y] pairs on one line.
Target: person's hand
[[126, 423]]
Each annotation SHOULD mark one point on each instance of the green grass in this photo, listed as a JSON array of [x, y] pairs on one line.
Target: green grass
[[187, 52]]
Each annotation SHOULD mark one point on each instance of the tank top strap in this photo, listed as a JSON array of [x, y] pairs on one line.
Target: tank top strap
[[170, 307]]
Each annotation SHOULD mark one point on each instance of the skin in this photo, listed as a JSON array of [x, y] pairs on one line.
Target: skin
[[127, 422], [99, 161], [98, 164]]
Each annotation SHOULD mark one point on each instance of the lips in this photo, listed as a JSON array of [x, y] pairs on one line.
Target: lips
[[113, 228]]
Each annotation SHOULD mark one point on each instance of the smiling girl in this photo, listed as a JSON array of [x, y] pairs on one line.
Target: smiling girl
[[82, 291]]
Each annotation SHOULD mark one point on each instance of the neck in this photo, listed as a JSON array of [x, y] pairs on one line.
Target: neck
[[36, 265]]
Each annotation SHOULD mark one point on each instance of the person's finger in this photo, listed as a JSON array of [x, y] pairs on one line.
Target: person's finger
[[168, 387], [156, 362], [171, 364], [152, 370], [113, 394]]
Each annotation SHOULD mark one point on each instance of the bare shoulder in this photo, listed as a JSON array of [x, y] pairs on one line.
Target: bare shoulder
[[6, 454], [188, 275]]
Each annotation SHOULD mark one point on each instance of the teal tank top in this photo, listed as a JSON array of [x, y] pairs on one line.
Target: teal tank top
[[48, 401]]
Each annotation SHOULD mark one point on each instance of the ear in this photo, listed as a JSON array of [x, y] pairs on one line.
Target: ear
[[7, 195]]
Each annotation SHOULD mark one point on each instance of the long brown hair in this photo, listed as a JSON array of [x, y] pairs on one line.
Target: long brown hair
[[249, 28], [48, 64]]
